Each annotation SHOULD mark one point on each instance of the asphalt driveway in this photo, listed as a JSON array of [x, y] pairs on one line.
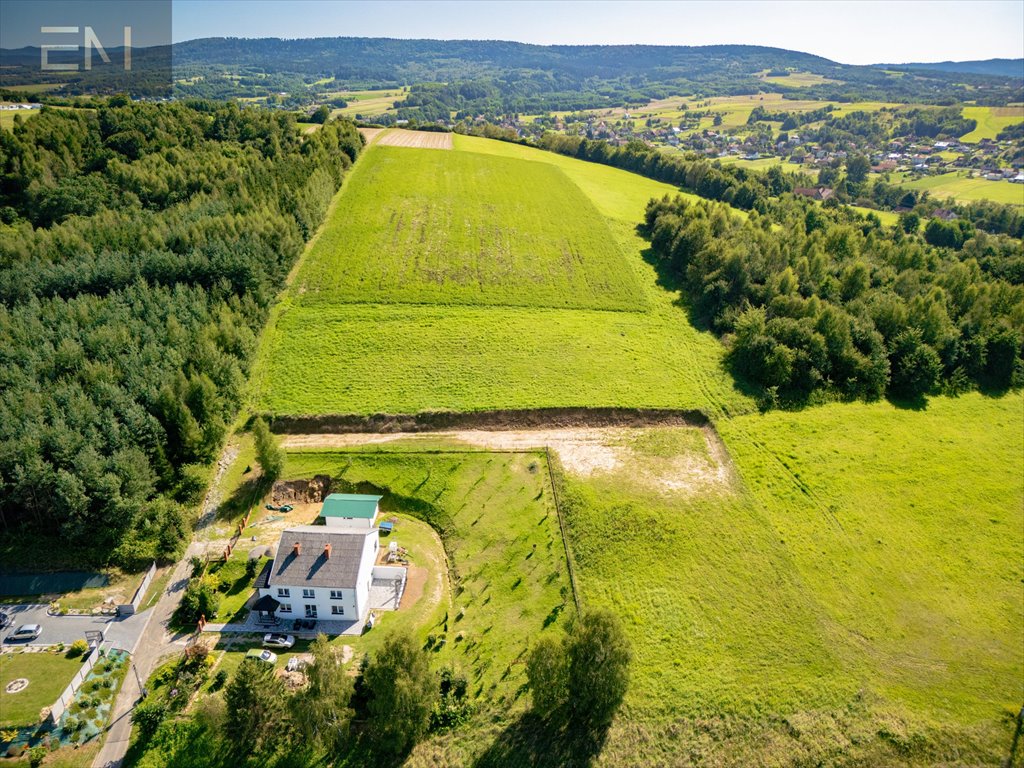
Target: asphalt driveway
[[121, 632]]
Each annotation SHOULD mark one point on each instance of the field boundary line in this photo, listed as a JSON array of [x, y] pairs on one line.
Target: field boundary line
[[561, 526], [498, 420]]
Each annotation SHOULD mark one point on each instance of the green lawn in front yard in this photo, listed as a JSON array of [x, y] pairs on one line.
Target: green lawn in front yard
[[48, 673]]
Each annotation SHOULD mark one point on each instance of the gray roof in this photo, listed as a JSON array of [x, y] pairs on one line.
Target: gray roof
[[311, 568]]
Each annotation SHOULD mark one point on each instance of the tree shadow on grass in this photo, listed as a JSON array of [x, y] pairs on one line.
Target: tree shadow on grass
[[533, 741], [243, 498]]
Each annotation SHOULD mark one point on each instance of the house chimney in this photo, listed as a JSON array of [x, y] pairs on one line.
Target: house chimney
[[297, 549], [327, 551]]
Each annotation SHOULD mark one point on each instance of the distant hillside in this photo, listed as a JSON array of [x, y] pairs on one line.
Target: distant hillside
[[996, 67], [496, 77]]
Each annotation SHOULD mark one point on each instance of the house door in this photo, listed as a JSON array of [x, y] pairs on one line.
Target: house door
[[310, 611]]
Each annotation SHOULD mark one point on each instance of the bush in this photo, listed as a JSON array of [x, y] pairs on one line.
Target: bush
[[36, 755], [78, 648], [148, 715], [219, 680]]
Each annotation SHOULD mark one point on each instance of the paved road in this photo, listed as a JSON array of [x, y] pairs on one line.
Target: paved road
[[153, 643], [120, 632]]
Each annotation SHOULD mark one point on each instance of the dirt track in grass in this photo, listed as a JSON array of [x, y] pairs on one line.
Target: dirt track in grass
[[582, 451]]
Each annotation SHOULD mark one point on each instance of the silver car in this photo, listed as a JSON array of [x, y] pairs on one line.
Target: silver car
[[274, 640], [24, 633]]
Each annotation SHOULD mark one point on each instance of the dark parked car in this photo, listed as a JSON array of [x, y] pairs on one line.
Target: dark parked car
[[4, 619]]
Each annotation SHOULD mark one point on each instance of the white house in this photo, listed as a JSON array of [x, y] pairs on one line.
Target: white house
[[319, 572]]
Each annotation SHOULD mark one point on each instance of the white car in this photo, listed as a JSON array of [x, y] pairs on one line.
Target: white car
[[278, 641], [25, 632], [267, 656]]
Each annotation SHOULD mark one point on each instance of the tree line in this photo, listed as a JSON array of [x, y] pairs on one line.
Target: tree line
[[376, 713], [819, 302], [140, 248]]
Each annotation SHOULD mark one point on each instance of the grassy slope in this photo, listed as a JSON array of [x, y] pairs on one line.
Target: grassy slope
[[991, 120], [501, 534], [461, 228], [963, 189], [855, 596], [341, 358], [907, 528]]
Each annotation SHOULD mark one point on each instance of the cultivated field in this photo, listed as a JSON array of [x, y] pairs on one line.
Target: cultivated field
[[962, 189], [797, 79], [339, 344], [459, 228], [371, 133], [991, 120], [417, 139], [367, 103]]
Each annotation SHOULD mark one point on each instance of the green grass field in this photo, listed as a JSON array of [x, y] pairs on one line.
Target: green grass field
[[500, 532], [461, 228], [962, 189], [853, 598], [47, 674], [991, 120], [323, 354]]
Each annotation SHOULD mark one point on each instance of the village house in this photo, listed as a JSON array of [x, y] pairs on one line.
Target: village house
[[328, 571], [814, 193]]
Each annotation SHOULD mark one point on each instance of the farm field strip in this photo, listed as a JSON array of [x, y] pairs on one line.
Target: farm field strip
[[961, 188], [417, 139], [366, 359], [991, 120], [458, 228]]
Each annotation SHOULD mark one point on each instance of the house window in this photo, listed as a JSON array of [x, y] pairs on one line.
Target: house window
[[310, 611], [336, 594], [338, 610], [283, 592], [285, 608], [308, 593]]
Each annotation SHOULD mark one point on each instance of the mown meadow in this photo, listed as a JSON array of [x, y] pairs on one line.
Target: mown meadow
[[849, 594], [463, 228], [382, 318], [852, 597]]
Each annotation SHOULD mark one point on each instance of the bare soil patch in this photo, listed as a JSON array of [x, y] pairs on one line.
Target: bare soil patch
[[371, 133], [415, 580], [416, 139], [300, 491], [582, 451]]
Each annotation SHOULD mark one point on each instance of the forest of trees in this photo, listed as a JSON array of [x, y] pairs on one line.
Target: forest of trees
[[821, 302], [140, 248]]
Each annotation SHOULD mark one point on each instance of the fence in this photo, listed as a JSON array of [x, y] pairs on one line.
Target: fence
[[68, 694], [561, 525], [129, 608]]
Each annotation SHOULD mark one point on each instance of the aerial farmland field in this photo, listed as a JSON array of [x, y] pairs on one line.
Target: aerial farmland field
[[963, 189], [458, 228], [383, 304], [991, 120]]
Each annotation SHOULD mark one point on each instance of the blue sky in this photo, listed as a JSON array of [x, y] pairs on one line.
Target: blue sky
[[849, 31]]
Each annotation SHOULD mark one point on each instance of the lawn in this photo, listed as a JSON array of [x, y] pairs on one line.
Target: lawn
[[463, 228], [494, 513], [48, 674], [991, 120], [957, 186], [323, 354], [853, 596]]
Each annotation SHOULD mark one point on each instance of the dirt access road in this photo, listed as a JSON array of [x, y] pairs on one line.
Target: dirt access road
[[583, 451]]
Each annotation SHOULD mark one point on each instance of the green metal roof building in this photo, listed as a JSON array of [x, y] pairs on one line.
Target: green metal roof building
[[350, 509]]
